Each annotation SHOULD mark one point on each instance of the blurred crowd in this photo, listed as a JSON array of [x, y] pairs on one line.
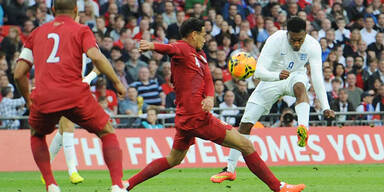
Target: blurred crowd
[[350, 32]]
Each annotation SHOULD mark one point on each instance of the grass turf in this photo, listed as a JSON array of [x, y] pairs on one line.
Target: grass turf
[[319, 178]]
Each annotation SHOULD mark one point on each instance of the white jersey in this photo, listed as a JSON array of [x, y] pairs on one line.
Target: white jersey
[[277, 55]]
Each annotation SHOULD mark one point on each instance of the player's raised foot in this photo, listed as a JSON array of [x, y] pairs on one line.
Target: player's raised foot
[[53, 188], [75, 178], [116, 188], [302, 136], [292, 188], [223, 175]]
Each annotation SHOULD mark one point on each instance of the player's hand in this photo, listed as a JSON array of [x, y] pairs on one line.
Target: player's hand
[[329, 114], [120, 88], [284, 74], [207, 104], [146, 45]]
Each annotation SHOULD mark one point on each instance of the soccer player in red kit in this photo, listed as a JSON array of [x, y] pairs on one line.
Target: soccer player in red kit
[[55, 49], [194, 99]]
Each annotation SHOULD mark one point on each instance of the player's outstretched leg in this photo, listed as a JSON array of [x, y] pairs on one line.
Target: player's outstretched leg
[[41, 156], [67, 128], [251, 115], [258, 167], [56, 144], [302, 110], [157, 166], [229, 173], [112, 154]]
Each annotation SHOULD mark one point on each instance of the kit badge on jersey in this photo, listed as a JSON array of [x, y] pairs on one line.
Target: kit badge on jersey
[[303, 56], [197, 62]]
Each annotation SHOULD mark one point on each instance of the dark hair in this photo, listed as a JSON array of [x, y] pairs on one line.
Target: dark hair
[[191, 25], [5, 91], [336, 80], [296, 25], [100, 82], [335, 68], [101, 98], [64, 6]]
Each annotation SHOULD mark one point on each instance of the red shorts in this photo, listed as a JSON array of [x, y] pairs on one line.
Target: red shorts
[[88, 114], [204, 126]]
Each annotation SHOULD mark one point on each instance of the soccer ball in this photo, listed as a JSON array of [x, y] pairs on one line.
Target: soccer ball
[[241, 65]]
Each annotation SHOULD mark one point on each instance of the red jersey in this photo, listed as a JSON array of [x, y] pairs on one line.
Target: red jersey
[[57, 49], [111, 98], [190, 76]]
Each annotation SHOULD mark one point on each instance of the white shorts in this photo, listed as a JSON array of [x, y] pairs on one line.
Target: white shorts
[[267, 93]]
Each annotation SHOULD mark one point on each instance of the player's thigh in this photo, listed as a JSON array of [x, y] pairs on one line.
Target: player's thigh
[[297, 78], [267, 93], [234, 139], [65, 125], [41, 123], [90, 116], [211, 128], [253, 112], [182, 140]]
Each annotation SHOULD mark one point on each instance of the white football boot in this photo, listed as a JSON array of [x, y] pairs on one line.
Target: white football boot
[[116, 188]]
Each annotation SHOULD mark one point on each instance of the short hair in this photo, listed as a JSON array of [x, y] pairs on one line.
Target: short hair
[[296, 25], [191, 25], [5, 91], [345, 90], [100, 82], [335, 80], [64, 6], [359, 56], [101, 98]]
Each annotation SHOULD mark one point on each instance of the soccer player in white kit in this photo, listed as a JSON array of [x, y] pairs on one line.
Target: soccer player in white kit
[[281, 69]]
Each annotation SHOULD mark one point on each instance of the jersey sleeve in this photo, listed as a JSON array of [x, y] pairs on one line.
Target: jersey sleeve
[[26, 53], [317, 75], [88, 40], [209, 88], [269, 51], [169, 49]]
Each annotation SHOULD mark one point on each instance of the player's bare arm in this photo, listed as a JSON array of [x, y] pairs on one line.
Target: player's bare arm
[[21, 79], [103, 65], [146, 46]]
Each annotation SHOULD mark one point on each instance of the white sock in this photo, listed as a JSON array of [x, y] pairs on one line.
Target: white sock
[[69, 152], [56, 145], [302, 110], [233, 157], [282, 184]]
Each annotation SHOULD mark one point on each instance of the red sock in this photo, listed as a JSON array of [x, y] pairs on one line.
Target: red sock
[[113, 157], [41, 155], [260, 169], [154, 168]]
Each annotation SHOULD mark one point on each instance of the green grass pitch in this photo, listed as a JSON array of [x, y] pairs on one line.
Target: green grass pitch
[[318, 178]]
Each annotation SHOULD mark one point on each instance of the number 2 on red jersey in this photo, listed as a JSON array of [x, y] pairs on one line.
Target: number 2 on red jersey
[[56, 40]]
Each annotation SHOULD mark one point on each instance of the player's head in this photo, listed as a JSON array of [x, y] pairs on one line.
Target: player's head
[[65, 7], [296, 32], [193, 31]]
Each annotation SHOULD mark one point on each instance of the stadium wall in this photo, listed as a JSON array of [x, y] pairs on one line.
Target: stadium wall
[[277, 146]]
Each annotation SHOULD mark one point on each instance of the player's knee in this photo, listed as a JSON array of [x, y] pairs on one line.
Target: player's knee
[[106, 130], [245, 128], [174, 161], [246, 146]]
